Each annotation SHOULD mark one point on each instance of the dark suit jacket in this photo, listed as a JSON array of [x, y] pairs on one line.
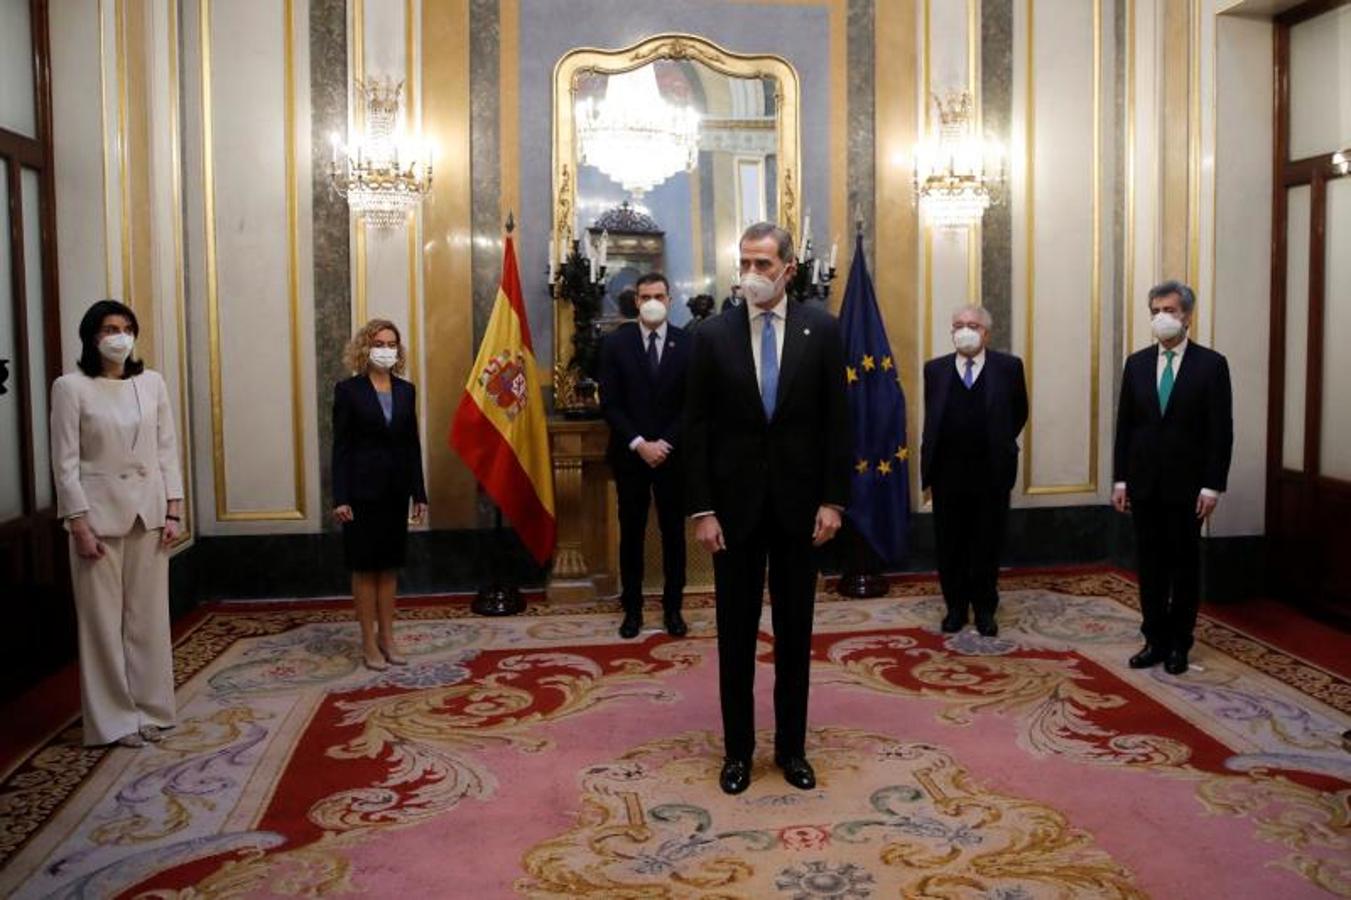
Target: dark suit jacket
[[1173, 455], [1005, 406], [373, 460], [736, 461], [633, 402]]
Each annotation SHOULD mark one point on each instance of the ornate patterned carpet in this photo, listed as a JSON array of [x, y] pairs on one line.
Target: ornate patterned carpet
[[542, 757]]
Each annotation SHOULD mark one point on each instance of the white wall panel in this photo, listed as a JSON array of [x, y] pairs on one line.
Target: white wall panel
[[255, 152], [1240, 256], [1320, 84], [81, 238], [34, 304], [1058, 208], [1334, 445], [17, 112], [1298, 211]]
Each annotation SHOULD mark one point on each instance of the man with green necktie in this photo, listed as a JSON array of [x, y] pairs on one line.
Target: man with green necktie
[[1174, 439]]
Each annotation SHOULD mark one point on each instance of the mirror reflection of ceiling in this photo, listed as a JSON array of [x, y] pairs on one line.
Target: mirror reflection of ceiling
[[700, 203]]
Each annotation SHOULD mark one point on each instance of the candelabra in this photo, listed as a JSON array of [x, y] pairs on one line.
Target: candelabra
[[811, 282], [579, 279]]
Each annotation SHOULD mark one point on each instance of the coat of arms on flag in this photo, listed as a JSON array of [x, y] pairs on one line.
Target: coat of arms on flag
[[503, 378]]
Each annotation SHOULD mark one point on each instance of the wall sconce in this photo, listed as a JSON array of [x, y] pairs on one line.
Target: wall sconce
[[958, 174]]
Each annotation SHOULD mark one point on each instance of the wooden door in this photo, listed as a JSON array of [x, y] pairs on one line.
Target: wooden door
[[35, 600], [1309, 425]]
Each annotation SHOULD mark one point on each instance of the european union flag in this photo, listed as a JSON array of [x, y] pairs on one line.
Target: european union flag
[[879, 505]]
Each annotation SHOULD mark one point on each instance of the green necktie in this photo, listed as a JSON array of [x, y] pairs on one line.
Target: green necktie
[[1166, 382]]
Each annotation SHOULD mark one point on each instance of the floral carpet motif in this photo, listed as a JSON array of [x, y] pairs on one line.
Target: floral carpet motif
[[541, 756]]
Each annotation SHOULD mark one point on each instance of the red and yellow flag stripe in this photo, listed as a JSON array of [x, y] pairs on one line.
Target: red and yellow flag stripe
[[500, 429]]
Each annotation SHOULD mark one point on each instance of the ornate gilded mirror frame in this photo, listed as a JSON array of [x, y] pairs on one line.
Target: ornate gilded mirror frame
[[586, 61]]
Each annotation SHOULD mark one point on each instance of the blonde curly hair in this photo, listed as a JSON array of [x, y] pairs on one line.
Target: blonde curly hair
[[357, 355]]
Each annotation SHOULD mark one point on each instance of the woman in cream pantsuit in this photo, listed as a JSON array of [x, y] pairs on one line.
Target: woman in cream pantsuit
[[120, 492]]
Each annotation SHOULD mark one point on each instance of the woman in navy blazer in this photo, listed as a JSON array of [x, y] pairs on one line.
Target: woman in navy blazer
[[377, 470]]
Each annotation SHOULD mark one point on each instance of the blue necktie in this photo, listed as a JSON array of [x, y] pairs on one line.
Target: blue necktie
[[769, 364], [969, 377]]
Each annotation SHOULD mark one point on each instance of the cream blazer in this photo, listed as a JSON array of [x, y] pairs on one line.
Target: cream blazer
[[97, 473]]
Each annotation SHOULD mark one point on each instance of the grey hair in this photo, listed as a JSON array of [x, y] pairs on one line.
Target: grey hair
[[981, 313], [1186, 297], [761, 230]]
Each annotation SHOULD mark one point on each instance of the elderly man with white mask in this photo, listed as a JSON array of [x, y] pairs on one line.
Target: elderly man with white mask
[[975, 405]]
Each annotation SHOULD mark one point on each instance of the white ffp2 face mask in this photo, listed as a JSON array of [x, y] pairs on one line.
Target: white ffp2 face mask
[[384, 357], [117, 347], [1165, 326], [652, 312], [966, 340], [759, 290]]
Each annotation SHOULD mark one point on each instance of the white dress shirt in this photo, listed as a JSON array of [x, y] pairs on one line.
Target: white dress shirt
[[779, 322], [978, 366], [646, 333], [1158, 379]]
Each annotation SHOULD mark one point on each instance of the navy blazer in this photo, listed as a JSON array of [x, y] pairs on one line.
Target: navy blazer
[[1005, 408], [1173, 454], [738, 463], [635, 403], [372, 459]]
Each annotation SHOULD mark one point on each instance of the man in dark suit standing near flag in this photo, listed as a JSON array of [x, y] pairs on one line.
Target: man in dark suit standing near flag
[[879, 504], [1174, 440], [642, 394], [975, 405], [769, 444]]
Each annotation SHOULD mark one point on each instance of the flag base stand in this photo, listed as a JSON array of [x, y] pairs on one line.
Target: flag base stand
[[499, 597], [498, 600], [861, 577]]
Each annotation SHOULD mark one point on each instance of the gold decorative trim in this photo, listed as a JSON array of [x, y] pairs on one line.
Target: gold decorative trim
[[123, 148], [446, 256], [1095, 289], [223, 513], [413, 112], [589, 60], [508, 102], [180, 281], [974, 294], [1128, 239], [357, 105], [107, 166]]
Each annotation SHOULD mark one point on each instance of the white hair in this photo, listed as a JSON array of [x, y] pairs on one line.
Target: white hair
[[981, 313]]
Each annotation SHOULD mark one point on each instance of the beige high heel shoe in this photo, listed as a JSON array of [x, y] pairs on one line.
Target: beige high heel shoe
[[396, 659]]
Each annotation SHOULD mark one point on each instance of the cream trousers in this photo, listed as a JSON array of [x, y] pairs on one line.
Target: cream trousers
[[126, 657]]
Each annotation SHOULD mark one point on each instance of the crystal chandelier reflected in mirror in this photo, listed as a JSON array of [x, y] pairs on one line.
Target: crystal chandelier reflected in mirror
[[634, 136], [385, 173], [958, 174]]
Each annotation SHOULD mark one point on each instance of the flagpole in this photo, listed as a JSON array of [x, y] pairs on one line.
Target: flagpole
[[498, 596], [860, 567]]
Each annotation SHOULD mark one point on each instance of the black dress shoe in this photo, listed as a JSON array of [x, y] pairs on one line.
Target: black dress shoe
[[735, 777], [954, 622], [797, 772], [1176, 663], [1149, 656], [675, 624], [987, 626], [632, 624]]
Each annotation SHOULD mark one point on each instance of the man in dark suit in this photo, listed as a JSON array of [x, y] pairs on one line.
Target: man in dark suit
[[643, 368], [975, 405], [1174, 440], [769, 451]]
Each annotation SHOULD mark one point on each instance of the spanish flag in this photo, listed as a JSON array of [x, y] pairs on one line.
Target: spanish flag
[[500, 429]]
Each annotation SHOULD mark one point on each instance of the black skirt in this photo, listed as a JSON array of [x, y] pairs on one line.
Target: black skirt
[[376, 539]]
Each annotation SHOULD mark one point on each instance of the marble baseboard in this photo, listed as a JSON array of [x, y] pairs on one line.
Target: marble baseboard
[[310, 565]]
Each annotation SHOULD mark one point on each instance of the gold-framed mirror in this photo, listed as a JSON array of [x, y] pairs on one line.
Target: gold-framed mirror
[[729, 154]]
